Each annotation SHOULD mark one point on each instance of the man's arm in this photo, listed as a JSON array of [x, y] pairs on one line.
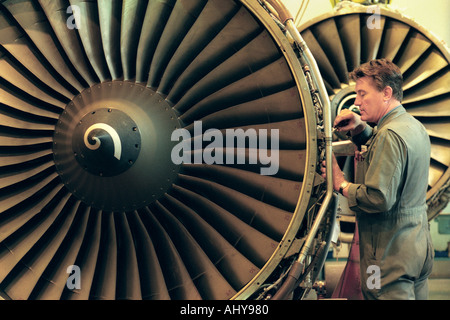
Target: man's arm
[[383, 178]]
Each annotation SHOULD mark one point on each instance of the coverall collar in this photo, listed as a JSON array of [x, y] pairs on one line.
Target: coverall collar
[[391, 115]]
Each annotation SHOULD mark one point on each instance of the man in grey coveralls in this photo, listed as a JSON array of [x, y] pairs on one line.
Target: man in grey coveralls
[[390, 202]]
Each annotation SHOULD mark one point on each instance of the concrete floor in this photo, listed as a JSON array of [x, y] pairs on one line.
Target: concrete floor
[[439, 281], [439, 289]]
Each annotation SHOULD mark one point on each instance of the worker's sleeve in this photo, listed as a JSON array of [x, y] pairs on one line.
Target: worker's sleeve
[[362, 137], [383, 178]]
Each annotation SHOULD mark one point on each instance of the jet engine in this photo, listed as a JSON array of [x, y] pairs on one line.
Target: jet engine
[[169, 149], [157, 150]]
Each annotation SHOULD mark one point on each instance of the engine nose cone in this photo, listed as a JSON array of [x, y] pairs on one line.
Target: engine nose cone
[[106, 142], [112, 146]]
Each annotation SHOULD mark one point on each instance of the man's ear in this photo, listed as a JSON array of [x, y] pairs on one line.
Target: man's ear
[[387, 93]]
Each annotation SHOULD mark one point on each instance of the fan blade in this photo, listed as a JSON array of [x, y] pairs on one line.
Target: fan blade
[[16, 247], [17, 76], [54, 280], [269, 79], [325, 66], [109, 15], [38, 258], [233, 70], [440, 152], [11, 175], [429, 108], [128, 282], [437, 129], [371, 37], [90, 36], [437, 85], [215, 15], [249, 241], [394, 35], [152, 278], [32, 19], [205, 275], [266, 218], [104, 283], [275, 191], [327, 36], [17, 45], [416, 46], [234, 266], [179, 283], [25, 189], [16, 216], [350, 35], [430, 65], [156, 17], [180, 21], [276, 107], [26, 104], [56, 10], [87, 258], [133, 12], [241, 29]]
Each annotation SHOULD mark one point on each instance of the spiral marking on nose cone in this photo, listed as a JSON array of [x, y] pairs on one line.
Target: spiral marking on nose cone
[[110, 130]]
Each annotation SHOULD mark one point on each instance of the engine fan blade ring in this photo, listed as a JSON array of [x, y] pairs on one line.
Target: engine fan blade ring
[[123, 208]]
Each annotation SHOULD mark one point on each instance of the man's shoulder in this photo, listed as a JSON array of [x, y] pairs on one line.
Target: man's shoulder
[[406, 128], [404, 123]]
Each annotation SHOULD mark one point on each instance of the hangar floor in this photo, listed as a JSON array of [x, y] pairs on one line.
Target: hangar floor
[[439, 282]]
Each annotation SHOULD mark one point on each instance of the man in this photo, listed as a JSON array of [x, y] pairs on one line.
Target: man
[[391, 201]]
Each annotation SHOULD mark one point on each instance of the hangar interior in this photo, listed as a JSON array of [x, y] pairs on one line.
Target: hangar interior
[[171, 149]]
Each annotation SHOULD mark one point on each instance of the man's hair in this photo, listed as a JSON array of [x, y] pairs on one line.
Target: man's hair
[[384, 73]]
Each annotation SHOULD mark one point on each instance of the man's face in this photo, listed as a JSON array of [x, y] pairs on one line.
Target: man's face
[[370, 101]]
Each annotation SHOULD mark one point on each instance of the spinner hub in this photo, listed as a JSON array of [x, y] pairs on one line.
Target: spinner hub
[[106, 142], [112, 146]]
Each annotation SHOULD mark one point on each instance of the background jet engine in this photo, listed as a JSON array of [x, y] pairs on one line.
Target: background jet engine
[[352, 34], [90, 94]]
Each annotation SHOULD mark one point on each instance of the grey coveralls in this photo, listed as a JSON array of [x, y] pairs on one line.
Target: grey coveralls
[[391, 210]]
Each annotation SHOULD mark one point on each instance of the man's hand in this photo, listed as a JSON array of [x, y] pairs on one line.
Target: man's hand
[[338, 175], [347, 120]]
